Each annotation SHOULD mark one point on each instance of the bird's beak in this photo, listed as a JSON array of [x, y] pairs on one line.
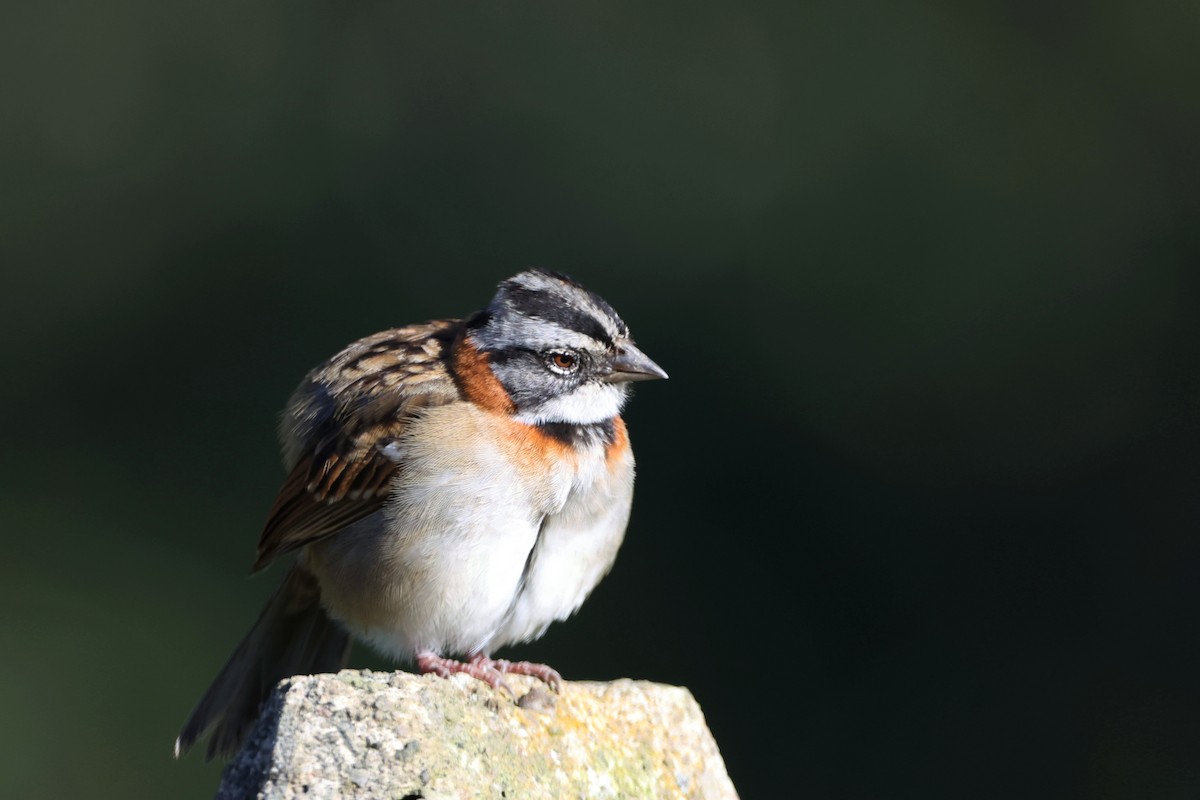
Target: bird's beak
[[632, 364]]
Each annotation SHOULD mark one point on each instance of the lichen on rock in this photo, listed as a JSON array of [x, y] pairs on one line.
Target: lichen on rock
[[363, 734]]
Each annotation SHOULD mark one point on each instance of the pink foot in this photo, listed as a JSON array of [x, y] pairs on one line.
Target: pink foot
[[476, 668], [546, 674], [490, 671]]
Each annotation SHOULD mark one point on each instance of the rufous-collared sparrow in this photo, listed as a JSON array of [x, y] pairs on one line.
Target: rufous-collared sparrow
[[453, 487]]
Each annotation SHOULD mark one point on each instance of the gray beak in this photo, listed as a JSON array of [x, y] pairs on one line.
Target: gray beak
[[632, 364]]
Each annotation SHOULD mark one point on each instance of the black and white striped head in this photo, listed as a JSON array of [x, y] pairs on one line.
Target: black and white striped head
[[560, 351]]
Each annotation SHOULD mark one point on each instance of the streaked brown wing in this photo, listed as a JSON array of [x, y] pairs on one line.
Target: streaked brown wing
[[342, 417], [320, 497]]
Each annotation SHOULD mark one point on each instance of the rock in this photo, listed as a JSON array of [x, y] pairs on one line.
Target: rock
[[402, 736]]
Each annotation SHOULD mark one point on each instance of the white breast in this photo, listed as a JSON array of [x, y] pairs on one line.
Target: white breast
[[481, 545], [576, 546]]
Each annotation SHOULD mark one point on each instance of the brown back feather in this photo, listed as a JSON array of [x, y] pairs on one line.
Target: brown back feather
[[338, 423]]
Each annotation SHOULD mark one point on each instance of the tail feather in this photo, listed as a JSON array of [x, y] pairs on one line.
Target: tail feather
[[293, 636]]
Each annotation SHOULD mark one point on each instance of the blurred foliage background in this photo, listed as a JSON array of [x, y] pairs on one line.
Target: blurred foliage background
[[917, 511]]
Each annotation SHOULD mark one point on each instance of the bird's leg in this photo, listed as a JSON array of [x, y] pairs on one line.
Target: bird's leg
[[490, 671], [546, 674], [481, 669]]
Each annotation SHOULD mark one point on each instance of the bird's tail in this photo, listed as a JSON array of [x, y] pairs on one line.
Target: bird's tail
[[293, 636]]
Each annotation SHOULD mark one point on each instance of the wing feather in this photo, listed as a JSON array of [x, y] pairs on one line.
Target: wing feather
[[338, 424]]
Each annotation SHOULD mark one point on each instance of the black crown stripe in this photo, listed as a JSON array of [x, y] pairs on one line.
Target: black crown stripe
[[552, 308]]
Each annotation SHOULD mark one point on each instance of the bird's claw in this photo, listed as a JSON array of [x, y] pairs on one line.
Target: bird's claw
[[490, 671]]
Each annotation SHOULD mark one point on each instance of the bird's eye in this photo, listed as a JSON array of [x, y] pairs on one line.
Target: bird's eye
[[564, 361]]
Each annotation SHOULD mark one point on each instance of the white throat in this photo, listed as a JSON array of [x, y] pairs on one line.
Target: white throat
[[587, 405]]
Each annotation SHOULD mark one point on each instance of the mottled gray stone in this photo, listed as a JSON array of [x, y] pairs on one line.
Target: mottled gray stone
[[402, 737]]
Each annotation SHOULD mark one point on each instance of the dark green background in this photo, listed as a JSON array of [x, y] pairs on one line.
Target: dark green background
[[917, 511]]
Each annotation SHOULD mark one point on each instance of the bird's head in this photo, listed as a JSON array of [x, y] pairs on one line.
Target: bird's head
[[561, 352]]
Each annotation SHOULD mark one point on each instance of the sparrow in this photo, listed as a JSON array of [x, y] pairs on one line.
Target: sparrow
[[452, 487]]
